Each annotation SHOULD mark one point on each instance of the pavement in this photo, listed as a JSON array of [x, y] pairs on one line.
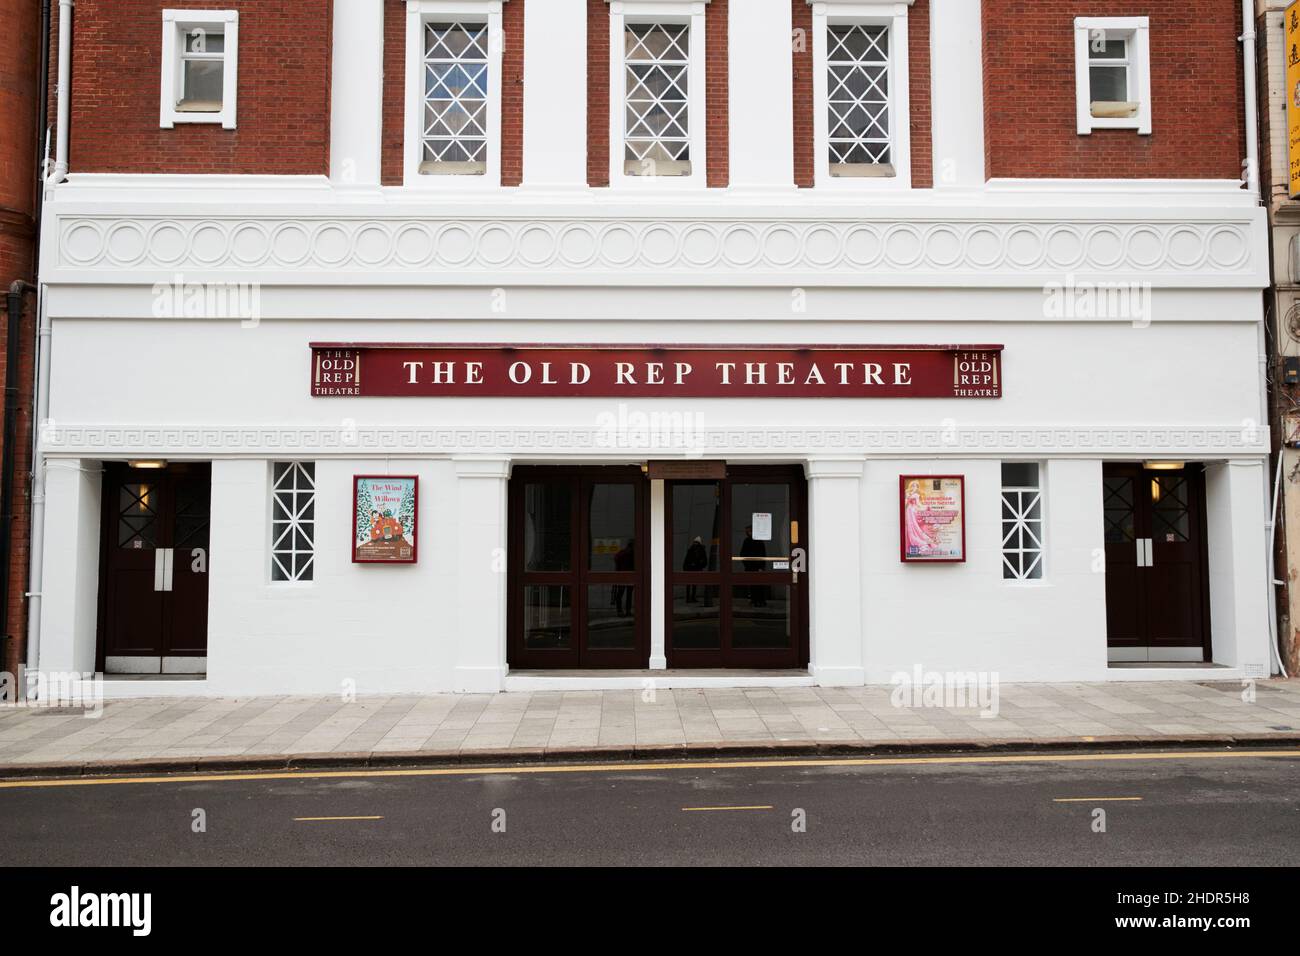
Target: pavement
[[1205, 808], [188, 734]]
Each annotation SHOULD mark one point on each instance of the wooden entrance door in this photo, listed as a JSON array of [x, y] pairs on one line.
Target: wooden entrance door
[[736, 581], [578, 559], [153, 568], [1157, 599]]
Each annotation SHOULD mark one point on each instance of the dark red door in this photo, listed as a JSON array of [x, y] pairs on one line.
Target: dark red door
[[1157, 597], [736, 574], [154, 563], [577, 579]]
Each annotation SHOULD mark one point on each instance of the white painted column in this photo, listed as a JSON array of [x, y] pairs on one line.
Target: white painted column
[[555, 94], [1240, 583], [481, 569], [957, 93], [70, 580], [357, 93], [761, 99], [834, 540], [658, 582]]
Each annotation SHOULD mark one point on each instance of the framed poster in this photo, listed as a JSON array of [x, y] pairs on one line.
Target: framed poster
[[384, 509], [932, 518]]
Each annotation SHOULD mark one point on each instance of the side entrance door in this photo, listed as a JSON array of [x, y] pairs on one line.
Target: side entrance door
[[737, 583], [578, 568], [1157, 596], [153, 616]]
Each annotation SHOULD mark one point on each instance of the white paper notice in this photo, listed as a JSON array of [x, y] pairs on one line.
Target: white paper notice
[[762, 523]]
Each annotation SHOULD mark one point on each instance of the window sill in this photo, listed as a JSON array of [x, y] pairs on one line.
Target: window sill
[[862, 171], [200, 106], [674, 169], [1108, 110], [452, 169]]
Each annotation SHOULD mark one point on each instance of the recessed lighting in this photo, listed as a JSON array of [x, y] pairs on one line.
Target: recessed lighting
[[148, 463], [1163, 465]]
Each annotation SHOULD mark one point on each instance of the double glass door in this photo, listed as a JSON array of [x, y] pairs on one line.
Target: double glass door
[[578, 568], [737, 575]]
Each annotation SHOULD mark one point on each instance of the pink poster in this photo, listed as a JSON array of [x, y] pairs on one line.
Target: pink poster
[[932, 518]]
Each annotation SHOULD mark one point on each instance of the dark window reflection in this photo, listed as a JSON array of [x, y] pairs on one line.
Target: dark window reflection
[[697, 621], [697, 525], [548, 617], [611, 617], [547, 522], [760, 616], [611, 546]]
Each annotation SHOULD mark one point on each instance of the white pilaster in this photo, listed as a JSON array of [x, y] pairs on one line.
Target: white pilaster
[[481, 567], [70, 580], [658, 584], [1240, 585], [555, 98], [834, 543], [957, 93], [357, 93], [761, 104]]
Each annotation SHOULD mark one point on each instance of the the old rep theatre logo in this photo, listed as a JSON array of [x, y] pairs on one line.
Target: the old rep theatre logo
[[704, 371]]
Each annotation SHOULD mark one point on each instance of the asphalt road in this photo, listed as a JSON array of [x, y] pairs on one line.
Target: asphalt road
[[1199, 809]]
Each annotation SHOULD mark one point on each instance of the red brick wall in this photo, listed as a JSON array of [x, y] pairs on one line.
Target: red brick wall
[[597, 93], [19, 105], [717, 84], [918, 81], [512, 93], [918, 76], [283, 106], [801, 47], [1029, 93]]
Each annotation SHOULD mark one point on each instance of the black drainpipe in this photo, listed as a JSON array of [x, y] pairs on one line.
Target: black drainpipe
[[17, 292]]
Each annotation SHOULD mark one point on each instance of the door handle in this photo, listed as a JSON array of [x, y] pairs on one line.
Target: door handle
[[1144, 552], [162, 568], [1150, 560]]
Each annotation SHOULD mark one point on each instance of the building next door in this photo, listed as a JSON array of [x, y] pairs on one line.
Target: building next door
[[1157, 595], [153, 569], [578, 568], [736, 578]]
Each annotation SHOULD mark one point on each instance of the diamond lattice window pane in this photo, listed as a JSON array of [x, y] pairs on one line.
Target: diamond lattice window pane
[[857, 94], [293, 528], [657, 118], [455, 121]]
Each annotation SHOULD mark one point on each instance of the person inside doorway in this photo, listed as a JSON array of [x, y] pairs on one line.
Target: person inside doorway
[[753, 552], [624, 560], [697, 559]]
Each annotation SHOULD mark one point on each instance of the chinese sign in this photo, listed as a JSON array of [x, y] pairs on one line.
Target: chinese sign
[[932, 517], [384, 519], [643, 371]]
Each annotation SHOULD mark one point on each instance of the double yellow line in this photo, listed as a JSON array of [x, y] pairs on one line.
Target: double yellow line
[[659, 766]]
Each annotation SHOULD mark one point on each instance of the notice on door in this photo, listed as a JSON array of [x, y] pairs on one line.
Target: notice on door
[[762, 525]]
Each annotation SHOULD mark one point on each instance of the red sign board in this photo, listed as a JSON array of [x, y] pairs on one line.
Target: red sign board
[[645, 371]]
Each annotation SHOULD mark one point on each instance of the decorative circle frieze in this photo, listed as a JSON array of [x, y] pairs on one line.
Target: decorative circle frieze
[[831, 247]]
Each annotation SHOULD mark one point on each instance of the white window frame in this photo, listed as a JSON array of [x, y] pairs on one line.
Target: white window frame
[[418, 13], [887, 13], [690, 12], [1137, 31], [179, 22], [293, 524], [1012, 496]]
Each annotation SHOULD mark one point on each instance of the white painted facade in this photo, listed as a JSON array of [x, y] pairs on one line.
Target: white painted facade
[[342, 259]]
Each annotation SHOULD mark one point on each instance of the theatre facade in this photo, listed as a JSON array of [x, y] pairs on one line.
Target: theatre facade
[[435, 418]]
